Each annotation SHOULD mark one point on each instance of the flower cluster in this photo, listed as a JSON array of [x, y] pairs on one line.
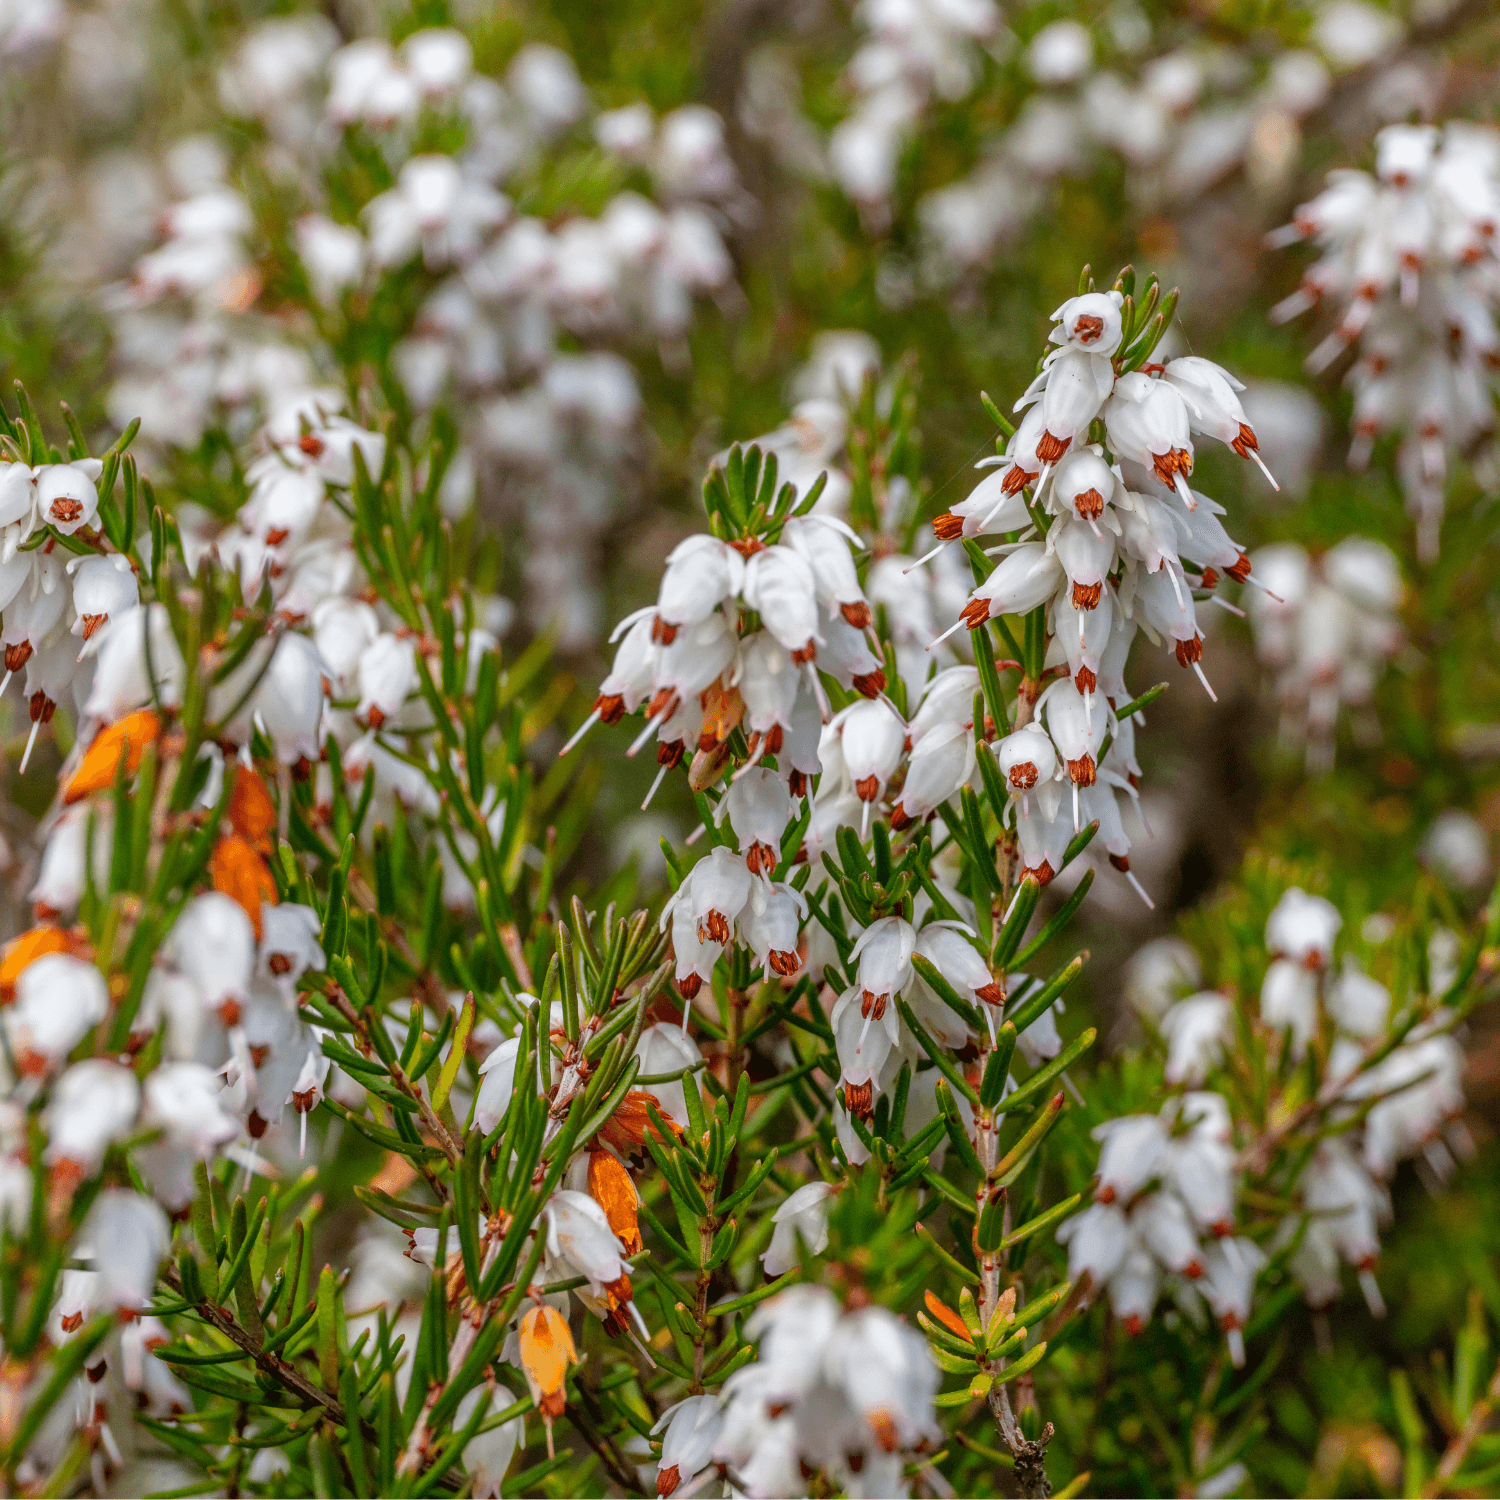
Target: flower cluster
[[545, 427], [1325, 628], [1181, 1198], [845, 1393], [1409, 265]]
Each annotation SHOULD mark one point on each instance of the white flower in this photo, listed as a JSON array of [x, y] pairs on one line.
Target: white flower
[[872, 738], [130, 1234], [93, 1105], [102, 587], [803, 1214], [59, 999], [498, 1075], [1130, 1153], [941, 763], [65, 495], [123, 675], [667, 1049], [780, 585], [690, 1430], [212, 943], [289, 943], [289, 701], [701, 573], [579, 1232], [387, 675], [1091, 321], [1289, 1000], [1303, 928]]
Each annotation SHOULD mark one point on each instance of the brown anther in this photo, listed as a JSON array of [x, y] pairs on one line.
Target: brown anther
[[279, 964], [1239, 570], [1087, 595], [304, 1100], [1189, 651], [689, 985], [663, 703], [716, 924], [65, 509], [1081, 771], [1043, 873], [375, 716], [663, 633], [1246, 442], [857, 614], [229, 1012], [805, 654], [947, 527], [1085, 680], [782, 962], [1049, 449], [97, 1372], [41, 708], [1088, 328], [796, 783], [761, 859], [276, 536], [17, 656], [860, 1097], [870, 684], [610, 707], [992, 993], [883, 1425], [256, 1125], [91, 623], [868, 789], [72, 1322], [667, 1480], [900, 818], [1023, 775], [1121, 862], [259, 1053], [1209, 579], [1089, 505], [311, 444], [1016, 479], [975, 613]]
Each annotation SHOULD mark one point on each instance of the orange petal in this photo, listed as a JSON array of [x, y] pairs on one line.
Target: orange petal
[[546, 1352], [252, 814], [611, 1188], [129, 736], [626, 1128], [947, 1317], [240, 872], [21, 951]]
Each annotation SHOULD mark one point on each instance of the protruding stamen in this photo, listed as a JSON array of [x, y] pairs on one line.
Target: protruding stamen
[[660, 777], [644, 735], [694, 836], [30, 742], [957, 625], [579, 733], [1371, 1288], [1261, 463], [1188, 498], [926, 557], [1223, 603], [1198, 668], [1140, 890]]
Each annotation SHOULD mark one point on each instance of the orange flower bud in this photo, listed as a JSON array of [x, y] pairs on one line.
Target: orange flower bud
[[128, 736], [546, 1352], [21, 951], [252, 814], [948, 1318], [240, 872], [611, 1188]]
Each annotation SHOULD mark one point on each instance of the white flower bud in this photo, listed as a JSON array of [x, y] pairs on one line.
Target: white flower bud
[[947, 700], [1078, 383], [1029, 576], [289, 701], [131, 1234], [497, 1075], [1130, 1154], [1303, 928], [690, 1429], [1077, 729], [828, 545], [1289, 1000]]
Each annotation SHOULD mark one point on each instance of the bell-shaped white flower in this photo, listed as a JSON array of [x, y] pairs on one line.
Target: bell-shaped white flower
[[93, 1104], [719, 887], [1289, 1001], [701, 573], [695, 956], [883, 953], [941, 763], [59, 999], [212, 943], [578, 1232], [1027, 577], [1147, 423], [781, 586], [290, 699], [1091, 321], [1303, 928], [1196, 1030], [387, 676], [1358, 1003], [664, 1048], [1078, 382], [803, 1214], [289, 944], [872, 738], [759, 808], [1098, 1240], [944, 945], [66, 497], [131, 1234], [689, 1432], [1082, 484], [1130, 1153], [1230, 1269], [947, 700], [1214, 408], [771, 925], [827, 544], [1026, 757], [103, 587]]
